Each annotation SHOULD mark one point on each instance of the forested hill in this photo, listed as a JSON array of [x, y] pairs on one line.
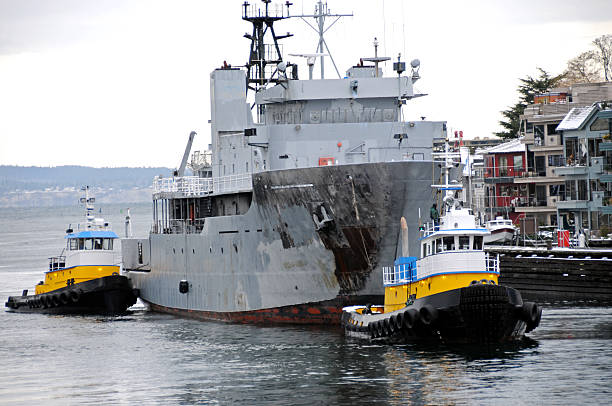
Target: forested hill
[[47, 186]]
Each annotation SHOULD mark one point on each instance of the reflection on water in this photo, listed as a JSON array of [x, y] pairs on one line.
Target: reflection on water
[[146, 358]]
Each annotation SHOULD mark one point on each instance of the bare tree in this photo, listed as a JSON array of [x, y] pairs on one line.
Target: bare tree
[[603, 45], [582, 69]]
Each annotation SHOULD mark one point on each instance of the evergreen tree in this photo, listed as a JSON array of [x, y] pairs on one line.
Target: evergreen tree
[[527, 90]]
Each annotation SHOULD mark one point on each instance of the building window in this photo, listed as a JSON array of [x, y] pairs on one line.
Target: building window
[[551, 129], [518, 163], [556, 190], [601, 124], [555, 160], [503, 166], [538, 135]]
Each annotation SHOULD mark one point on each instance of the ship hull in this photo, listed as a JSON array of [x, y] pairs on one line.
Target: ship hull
[[313, 238], [478, 314], [107, 295]]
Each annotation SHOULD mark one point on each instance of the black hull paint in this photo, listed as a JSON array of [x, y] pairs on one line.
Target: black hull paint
[[474, 314], [108, 295]]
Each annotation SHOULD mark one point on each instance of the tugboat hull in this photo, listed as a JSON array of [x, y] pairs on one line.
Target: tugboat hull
[[481, 313], [107, 295]]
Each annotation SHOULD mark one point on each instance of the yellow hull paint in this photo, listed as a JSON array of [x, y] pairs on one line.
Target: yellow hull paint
[[397, 296], [69, 276]]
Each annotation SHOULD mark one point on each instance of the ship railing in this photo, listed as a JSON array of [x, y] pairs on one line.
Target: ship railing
[[492, 263], [197, 186], [178, 226], [57, 263]]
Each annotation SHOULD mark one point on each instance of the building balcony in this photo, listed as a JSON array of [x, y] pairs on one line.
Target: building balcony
[[575, 170], [572, 204]]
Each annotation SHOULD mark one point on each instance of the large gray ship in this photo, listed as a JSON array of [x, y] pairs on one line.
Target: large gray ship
[[297, 208]]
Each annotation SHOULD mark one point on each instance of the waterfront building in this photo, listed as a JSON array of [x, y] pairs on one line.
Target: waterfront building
[[587, 146], [502, 165]]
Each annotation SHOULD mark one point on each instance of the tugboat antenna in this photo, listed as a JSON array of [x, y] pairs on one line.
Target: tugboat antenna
[[321, 12]]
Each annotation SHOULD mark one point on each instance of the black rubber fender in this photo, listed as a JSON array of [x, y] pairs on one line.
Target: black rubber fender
[[392, 324], [399, 321], [74, 296], [64, 299], [380, 328], [56, 299], [529, 312], [411, 316], [429, 314]]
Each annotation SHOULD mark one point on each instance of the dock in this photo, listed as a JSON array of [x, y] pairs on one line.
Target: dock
[[556, 274]]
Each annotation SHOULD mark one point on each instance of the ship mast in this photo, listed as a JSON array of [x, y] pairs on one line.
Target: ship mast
[[261, 54], [320, 14]]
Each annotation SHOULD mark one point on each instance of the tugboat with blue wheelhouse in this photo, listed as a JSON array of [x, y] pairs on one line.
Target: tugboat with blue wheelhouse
[[85, 277], [451, 292]]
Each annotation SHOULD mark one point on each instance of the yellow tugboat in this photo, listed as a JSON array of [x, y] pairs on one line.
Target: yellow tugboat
[[85, 277], [450, 292]]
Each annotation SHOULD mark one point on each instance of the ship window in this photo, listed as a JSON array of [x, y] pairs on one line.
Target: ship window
[[89, 243], [464, 242], [107, 244], [428, 249], [74, 244], [449, 243], [424, 250], [81, 243], [477, 242], [439, 245], [97, 243]]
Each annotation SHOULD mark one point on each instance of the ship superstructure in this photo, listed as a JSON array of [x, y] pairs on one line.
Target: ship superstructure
[[296, 208]]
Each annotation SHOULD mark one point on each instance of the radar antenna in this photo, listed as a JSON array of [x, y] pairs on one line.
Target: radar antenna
[[261, 55], [320, 13]]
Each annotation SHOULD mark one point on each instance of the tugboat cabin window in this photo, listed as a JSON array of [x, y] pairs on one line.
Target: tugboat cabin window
[[88, 243], [438, 245], [97, 243], [464, 242], [449, 243], [477, 242], [107, 244], [428, 249], [73, 244]]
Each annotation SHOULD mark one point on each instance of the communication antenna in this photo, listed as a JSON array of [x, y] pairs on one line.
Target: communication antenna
[[320, 14], [310, 61]]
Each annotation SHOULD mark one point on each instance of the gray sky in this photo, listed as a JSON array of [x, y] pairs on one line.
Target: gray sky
[[122, 83]]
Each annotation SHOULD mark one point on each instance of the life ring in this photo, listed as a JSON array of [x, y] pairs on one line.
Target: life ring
[[428, 314]]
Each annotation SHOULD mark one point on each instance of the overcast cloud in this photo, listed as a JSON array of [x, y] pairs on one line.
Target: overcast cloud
[[113, 83]]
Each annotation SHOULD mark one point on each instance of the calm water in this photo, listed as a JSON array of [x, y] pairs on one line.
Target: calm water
[[150, 358]]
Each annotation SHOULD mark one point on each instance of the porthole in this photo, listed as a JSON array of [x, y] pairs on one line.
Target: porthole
[[193, 249], [222, 250], [236, 248], [173, 251], [210, 249]]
